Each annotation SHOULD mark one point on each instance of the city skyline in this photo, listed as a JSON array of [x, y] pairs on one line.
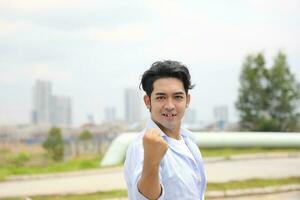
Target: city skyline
[[93, 50], [49, 109]]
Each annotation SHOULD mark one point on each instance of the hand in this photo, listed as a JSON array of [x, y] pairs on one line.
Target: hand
[[154, 150], [155, 147]]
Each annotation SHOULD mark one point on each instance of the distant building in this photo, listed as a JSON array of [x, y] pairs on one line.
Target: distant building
[[61, 111], [190, 116], [50, 110], [91, 119], [221, 116], [110, 114], [41, 103], [133, 100]]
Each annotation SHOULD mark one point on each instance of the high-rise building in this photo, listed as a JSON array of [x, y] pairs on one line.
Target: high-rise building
[[133, 103], [61, 111], [91, 118], [110, 114], [221, 113], [190, 116], [48, 109], [41, 104], [221, 116]]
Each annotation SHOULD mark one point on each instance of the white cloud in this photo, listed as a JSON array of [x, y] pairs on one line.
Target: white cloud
[[31, 6], [96, 42], [128, 33], [275, 6], [9, 27], [20, 75]]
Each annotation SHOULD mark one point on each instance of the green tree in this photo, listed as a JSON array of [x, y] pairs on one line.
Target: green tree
[[54, 144], [252, 103], [85, 135], [283, 95], [268, 97], [18, 160]]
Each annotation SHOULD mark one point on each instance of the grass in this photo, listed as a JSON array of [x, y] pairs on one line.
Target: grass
[[252, 183], [232, 185], [227, 152], [95, 196], [80, 163]]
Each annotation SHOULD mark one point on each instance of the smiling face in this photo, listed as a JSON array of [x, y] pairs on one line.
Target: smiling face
[[167, 104]]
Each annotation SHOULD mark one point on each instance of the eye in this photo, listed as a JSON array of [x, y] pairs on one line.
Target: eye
[[160, 97], [179, 97]]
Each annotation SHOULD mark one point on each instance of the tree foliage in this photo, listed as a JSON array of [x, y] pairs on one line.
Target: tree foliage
[[85, 135], [268, 97], [54, 144]]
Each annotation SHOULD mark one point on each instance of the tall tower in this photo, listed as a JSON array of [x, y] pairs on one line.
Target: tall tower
[[61, 111], [190, 116], [110, 114], [48, 109], [221, 116], [42, 93]]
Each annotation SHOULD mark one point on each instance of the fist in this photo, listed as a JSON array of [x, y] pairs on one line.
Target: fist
[[154, 146]]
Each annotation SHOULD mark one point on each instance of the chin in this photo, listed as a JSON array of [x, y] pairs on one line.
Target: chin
[[169, 125]]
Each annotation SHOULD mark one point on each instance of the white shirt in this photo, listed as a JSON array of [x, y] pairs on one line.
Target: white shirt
[[181, 171]]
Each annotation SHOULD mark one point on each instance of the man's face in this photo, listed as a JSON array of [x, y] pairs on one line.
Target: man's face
[[167, 103]]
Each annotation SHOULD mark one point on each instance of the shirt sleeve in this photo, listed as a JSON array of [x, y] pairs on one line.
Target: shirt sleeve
[[133, 169], [140, 196]]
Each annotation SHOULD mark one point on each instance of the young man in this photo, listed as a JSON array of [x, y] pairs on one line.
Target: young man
[[163, 162]]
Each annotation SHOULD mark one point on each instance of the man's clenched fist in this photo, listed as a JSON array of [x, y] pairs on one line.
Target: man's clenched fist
[[155, 146]]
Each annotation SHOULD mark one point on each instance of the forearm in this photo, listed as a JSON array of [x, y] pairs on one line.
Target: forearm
[[149, 184]]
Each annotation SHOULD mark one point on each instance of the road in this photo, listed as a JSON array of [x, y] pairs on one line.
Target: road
[[255, 168], [108, 179]]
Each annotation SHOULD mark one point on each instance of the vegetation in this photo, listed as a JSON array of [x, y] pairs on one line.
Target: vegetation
[[19, 159], [268, 97], [28, 164], [54, 144], [85, 135], [227, 152], [93, 196], [253, 183]]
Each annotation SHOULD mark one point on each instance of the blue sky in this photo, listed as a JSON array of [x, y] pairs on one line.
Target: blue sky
[[92, 50]]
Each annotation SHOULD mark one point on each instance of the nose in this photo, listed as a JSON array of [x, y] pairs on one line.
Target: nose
[[169, 105]]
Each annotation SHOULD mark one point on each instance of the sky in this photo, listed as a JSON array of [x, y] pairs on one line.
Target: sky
[[93, 50]]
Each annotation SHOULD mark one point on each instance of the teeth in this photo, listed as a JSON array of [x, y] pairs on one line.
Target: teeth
[[169, 115]]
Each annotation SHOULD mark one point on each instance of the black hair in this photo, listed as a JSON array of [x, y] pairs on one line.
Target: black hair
[[166, 69]]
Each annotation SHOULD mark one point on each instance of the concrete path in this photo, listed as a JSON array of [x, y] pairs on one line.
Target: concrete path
[[108, 179], [255, 168]]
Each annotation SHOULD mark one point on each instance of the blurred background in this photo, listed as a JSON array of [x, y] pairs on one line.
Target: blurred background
[[69, 82]]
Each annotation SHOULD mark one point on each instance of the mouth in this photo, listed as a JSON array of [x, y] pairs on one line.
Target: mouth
[[169, 115]]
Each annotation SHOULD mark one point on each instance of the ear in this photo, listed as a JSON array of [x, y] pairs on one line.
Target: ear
[[147, 101], [188, 100]]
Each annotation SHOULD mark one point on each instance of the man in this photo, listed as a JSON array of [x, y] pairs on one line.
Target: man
[[163, 162]]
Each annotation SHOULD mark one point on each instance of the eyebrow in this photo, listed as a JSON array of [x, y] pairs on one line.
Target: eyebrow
[[160, 93], [176, 93]]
